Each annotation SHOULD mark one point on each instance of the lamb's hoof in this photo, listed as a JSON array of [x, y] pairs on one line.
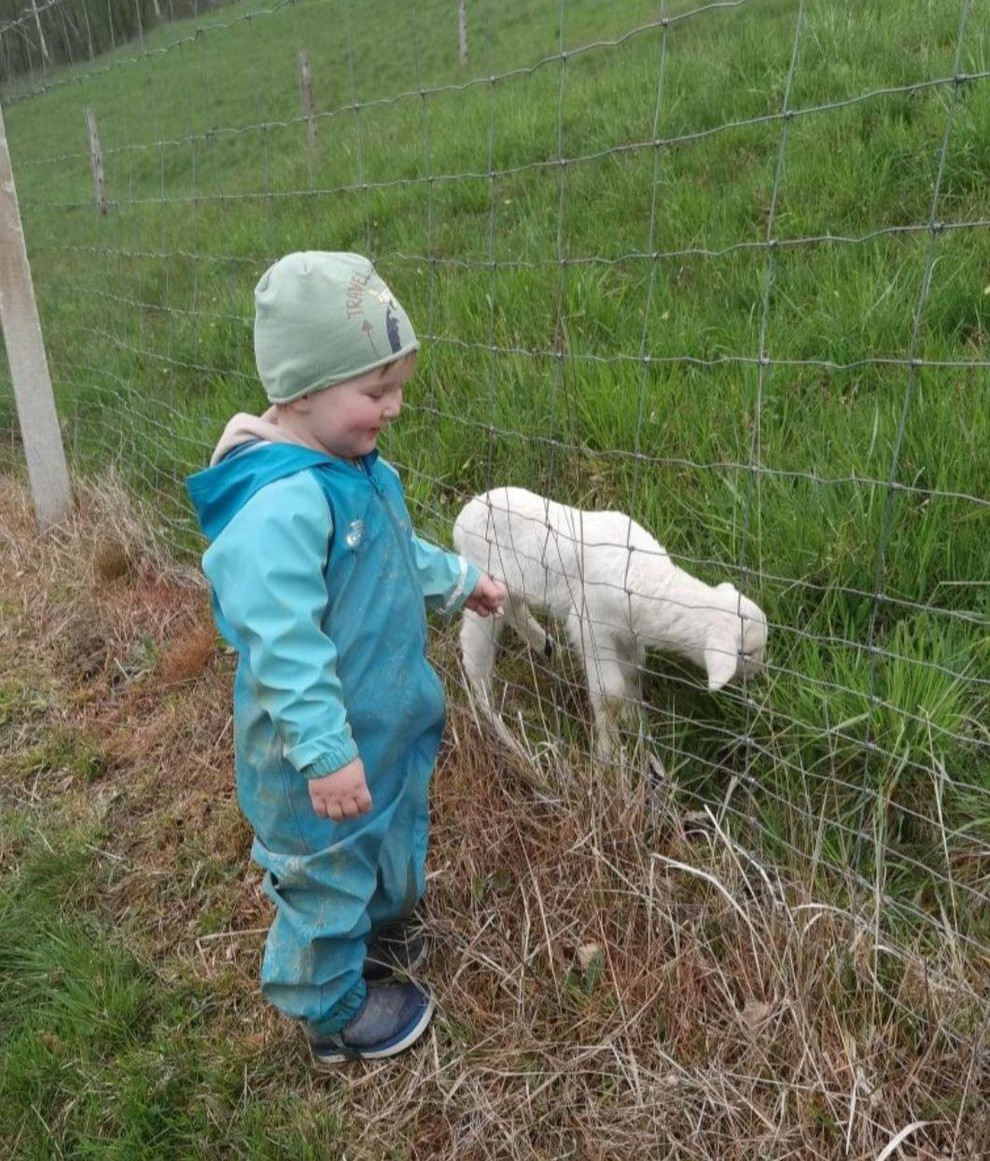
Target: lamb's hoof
[[549, 647]]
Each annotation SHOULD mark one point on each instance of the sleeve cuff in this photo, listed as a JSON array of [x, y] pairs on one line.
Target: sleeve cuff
[[467, 579], [323, 756]]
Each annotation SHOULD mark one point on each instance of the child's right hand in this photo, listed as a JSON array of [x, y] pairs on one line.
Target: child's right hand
[[342, 794]]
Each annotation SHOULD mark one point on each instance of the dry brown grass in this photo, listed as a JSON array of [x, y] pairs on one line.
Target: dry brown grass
[[612, 981]]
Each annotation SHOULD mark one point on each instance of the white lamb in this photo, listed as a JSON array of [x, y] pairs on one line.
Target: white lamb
[[618, 592]]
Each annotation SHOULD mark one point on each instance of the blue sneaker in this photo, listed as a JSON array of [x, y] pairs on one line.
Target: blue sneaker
[[393, 1017], [396, 948]]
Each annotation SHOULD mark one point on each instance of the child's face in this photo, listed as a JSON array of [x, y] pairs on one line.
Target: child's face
[[346, 419]]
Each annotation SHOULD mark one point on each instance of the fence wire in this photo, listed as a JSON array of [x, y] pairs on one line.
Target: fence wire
[[722, 267]]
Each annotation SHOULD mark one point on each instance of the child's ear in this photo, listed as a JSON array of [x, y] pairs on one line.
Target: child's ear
[[298, 406]]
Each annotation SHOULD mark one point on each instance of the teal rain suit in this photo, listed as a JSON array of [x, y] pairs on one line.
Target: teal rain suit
[[321, 585]]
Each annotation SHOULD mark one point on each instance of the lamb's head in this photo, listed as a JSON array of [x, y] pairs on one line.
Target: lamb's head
[[736, 638]]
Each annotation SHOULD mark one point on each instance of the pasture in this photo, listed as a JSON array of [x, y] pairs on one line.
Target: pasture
[[724, 267]]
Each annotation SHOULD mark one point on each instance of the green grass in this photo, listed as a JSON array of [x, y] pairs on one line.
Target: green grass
[[539, 288], [102, 1056]]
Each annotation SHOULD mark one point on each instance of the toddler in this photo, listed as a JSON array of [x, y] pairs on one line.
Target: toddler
[[322, 586]]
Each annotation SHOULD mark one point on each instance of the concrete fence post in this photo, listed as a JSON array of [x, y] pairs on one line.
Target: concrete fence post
[[47, 470]]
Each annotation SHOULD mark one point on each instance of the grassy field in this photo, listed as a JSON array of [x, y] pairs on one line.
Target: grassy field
[[579, 222]]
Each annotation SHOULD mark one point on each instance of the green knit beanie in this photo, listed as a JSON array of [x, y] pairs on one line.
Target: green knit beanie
[[322, 318]]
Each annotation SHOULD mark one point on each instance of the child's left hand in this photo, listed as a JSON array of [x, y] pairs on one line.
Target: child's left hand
[[487, 597]]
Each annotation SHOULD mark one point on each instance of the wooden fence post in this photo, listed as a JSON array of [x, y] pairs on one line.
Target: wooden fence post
[[462, 31], [41, 36], [306, 95], [96, 160], [47, 470]]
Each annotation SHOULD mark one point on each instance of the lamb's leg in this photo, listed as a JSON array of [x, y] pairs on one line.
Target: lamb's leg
[[618, 710], [529, 629], [612, 683], [479, 638], [621, 711], [479, 641]]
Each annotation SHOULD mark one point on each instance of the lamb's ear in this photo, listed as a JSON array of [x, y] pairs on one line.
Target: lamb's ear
[[720, 664]]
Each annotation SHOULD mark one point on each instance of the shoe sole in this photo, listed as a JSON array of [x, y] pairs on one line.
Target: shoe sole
[[328, 1057]]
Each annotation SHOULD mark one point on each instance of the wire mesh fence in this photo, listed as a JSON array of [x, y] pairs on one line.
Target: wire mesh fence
[[722, 267]]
